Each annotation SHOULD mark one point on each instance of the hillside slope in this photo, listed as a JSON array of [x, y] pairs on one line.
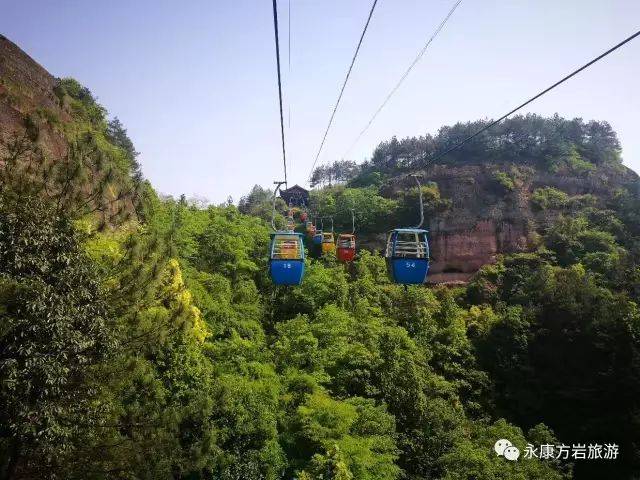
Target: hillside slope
[[489, 198], [58, 128]]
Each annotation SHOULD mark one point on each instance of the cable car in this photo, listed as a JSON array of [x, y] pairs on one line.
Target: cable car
[[407, 252], [311, 229], [316, 244], [317, 237], [328, 242], [286, 251], [407, 255], [346, 250], [286, 258]]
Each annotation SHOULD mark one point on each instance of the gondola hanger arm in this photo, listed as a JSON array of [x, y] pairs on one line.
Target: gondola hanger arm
[[353, 222], [278, 184], [416, 178]]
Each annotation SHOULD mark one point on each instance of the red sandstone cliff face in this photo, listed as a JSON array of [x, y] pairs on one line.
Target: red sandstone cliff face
[[26, 87], [40, 121], [485, 220], [479, 226], [457, 255]]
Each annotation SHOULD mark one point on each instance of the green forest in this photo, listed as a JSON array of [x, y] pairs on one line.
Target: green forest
[[141, 336]]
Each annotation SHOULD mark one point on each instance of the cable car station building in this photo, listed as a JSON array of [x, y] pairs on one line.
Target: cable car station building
[[295, 196]]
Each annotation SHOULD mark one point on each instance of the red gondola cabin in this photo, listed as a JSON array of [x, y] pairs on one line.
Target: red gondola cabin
[[346, 250]]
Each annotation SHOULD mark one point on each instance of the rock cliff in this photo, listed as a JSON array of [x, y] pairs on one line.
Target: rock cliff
[[486, 218], [26, 89], [56, 131]]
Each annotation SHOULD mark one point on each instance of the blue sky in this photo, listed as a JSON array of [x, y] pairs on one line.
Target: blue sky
[[195, 83]]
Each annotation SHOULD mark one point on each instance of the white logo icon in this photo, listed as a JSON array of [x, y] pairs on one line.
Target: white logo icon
[[511, 453], [503, 447]]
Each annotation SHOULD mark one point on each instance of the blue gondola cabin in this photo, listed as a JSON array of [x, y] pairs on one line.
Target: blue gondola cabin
[[286, 258], [407, 256]]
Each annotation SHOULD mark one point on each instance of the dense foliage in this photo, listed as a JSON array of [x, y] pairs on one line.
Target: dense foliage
[[156, 346], [548, 143]]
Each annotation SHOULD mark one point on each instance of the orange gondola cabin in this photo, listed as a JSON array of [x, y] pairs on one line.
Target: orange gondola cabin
[[328, 242]]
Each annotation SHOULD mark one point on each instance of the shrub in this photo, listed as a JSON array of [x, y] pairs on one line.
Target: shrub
[[504, 182], [549, 198]]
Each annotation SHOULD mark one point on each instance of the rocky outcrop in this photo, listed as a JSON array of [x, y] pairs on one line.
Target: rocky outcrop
[[482, 222], [27, 90], [486, 219], [40, 118], [456, 254]]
